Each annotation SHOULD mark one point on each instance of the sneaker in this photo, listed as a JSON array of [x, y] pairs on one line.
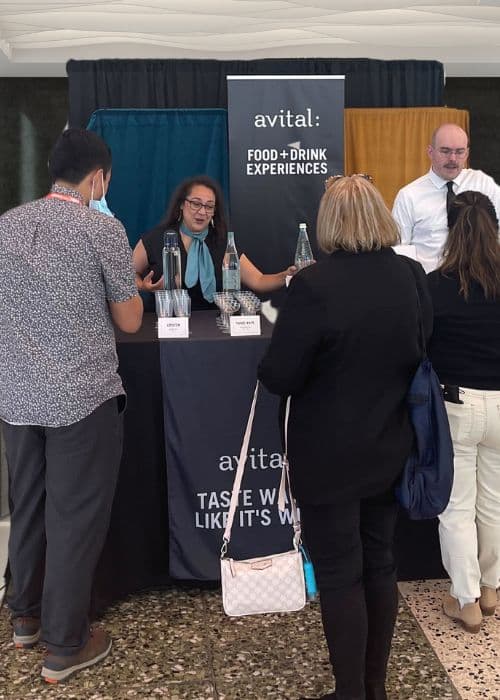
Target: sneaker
[[488, 600], [58, 668], [26, 632], [469, 616]]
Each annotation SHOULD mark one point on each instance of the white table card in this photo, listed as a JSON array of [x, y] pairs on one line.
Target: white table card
[[244, 325], [173, 327]]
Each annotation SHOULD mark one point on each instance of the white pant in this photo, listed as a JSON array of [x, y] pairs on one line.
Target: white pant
[[469, 528]]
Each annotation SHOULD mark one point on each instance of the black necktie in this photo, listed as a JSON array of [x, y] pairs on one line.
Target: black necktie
[[450, 195]]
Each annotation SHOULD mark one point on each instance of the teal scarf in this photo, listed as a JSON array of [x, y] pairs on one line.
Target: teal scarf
[[199, 264]]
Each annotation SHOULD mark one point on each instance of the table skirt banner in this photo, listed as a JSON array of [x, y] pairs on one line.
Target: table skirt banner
[[207, 392]]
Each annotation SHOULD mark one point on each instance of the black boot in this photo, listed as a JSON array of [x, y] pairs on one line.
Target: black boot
[[375, 691]]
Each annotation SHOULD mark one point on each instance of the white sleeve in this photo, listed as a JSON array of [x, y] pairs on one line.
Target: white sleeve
[[492, 190], [402, 212]]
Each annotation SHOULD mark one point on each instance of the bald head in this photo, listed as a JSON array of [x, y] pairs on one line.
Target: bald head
[[447, 131], [448, 151]]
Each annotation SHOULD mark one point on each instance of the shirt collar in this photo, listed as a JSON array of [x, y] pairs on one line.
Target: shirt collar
[[67, 191], [439, 183]]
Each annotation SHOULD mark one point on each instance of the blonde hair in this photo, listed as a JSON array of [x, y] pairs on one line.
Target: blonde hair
[[353, 216]]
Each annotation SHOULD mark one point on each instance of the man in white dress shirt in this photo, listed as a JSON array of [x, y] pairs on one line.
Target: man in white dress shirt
[[420, 207]]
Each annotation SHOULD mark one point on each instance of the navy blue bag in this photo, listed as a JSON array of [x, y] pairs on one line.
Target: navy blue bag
[[426, 482]]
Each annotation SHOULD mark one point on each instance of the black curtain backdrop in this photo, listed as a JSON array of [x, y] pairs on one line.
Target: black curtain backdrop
[[177, 83], [481, 96]]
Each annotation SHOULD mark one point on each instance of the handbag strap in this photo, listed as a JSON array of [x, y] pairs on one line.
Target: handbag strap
[[285, 479]]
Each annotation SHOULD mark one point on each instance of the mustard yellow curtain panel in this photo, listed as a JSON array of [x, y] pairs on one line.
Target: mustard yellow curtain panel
[[391, 144]]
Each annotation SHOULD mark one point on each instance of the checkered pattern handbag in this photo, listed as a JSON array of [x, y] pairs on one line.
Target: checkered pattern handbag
[[270, 584]]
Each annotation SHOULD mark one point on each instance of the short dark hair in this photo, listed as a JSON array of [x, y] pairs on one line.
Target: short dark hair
[[218, 229], [76, 153]]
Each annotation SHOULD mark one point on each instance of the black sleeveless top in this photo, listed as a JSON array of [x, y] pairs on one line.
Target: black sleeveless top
[[153, 244]]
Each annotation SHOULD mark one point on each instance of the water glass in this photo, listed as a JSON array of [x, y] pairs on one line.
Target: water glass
[[249, 303], [228, 305], [164, 303], [182, 302]]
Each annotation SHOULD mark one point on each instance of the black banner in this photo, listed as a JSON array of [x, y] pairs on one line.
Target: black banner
[[208, 383], [286, 136]]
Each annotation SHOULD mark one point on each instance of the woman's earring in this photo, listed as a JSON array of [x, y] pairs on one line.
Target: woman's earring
[[179, 218], [212, 222]]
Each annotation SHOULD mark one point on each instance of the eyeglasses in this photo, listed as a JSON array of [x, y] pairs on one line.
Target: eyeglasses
[[333, 178], [459, 152], [196, 204]]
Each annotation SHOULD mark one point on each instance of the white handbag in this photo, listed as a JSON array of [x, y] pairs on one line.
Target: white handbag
[[270, 584]]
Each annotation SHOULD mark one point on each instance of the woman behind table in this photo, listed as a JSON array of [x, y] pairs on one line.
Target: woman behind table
[[196, 211], [345, 348], [465, 351]]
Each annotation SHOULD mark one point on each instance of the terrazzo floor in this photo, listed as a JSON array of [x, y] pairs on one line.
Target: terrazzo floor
[[471, 660], [178, 644]]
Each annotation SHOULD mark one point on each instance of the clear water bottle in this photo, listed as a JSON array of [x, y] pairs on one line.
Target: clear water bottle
[[172, 276], [303, 252], [231, 281]]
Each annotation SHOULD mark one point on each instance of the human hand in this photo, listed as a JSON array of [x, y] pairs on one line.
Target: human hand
[[288, 274], [148, 285], [293, 269]]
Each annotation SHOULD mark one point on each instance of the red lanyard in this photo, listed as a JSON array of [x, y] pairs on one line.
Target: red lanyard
[[65, 197]]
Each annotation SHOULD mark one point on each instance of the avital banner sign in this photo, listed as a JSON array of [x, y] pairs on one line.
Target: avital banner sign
[[286, 136]]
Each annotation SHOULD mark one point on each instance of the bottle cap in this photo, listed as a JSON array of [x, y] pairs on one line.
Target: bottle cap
[[170, 238]]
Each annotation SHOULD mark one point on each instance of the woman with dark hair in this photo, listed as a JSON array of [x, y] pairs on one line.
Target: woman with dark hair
[[465, 352], [196, 212], [345, 347]]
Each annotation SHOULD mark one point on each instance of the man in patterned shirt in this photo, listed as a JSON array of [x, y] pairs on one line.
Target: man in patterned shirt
[[65, 276]]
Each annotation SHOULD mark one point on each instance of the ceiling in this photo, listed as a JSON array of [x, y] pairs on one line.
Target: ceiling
[[37, 38]]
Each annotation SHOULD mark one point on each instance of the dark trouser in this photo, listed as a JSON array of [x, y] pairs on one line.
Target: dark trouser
[[62, 483], [351, 548]]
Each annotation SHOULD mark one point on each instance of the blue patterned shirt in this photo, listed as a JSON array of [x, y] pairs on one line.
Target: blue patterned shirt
[[60, 265]]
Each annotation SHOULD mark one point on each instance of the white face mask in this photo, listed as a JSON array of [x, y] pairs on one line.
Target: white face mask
[[100, 204]]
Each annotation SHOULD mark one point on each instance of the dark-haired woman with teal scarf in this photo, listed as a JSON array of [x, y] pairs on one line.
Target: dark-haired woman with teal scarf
[[196, 212]]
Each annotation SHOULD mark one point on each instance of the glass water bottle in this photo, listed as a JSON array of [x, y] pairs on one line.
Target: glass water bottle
[[303, 252], [231, 281], [172, 276]]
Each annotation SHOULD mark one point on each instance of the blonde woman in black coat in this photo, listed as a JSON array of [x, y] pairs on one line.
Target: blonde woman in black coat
[[345, 347]]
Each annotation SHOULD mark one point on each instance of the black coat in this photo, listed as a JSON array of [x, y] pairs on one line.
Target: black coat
[[345, 347]]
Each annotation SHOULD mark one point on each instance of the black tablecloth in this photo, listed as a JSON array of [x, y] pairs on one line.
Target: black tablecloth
[[137, 547], [135, 555]]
